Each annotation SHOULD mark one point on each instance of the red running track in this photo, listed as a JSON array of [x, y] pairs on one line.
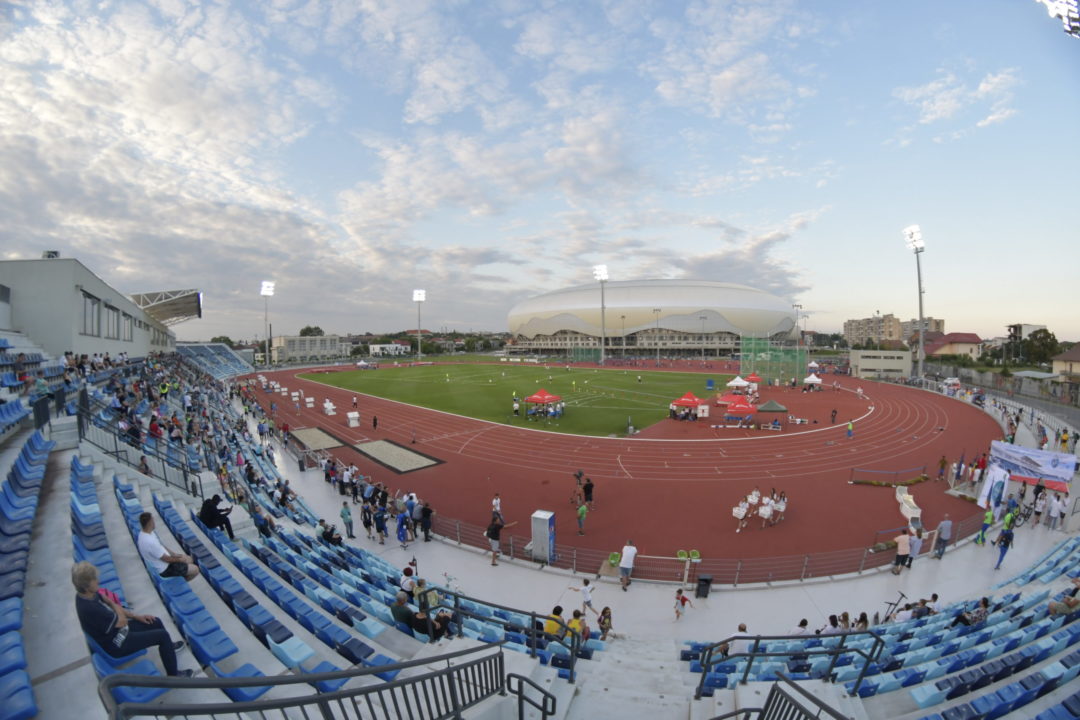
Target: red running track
[[672, 494]]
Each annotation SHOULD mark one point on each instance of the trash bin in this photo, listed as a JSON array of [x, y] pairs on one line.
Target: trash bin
[[300, 460], [704, 584]]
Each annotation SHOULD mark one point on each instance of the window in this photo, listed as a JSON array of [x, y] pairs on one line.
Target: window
[[112, 323], [91, 315], [127, 328]]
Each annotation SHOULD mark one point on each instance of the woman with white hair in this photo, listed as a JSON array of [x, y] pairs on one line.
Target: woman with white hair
[[116, 630]]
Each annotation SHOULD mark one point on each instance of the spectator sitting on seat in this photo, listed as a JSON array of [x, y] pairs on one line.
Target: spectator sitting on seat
[[832, 627], [903, 614], [162, 560], [554, 626], [425, 597], [738, 645], [329, 534], [144, 467], [116, 630], [801, 628], [974, 617], [418, 621], [921, 610], [214, 517], [406, 582], [263, 523], [1067, 604]]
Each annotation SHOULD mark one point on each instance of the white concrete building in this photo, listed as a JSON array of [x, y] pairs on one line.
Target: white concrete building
[[880, 363], [296, 348], [62, 305]]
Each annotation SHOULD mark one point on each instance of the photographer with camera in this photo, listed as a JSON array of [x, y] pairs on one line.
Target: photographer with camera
[[214, 517]]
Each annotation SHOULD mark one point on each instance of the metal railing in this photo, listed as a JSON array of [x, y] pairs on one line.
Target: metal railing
[[713, 655], [475, 675], [782, 704], [110, 440]]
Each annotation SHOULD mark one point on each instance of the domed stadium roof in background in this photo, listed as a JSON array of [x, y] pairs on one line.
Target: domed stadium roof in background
[[725, 307]]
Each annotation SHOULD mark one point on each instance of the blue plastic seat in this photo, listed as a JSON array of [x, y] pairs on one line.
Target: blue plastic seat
[[17, 697], [241, 694], [129, 694]]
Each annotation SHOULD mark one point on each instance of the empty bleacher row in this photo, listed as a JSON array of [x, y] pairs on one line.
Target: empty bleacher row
[[19, 497]]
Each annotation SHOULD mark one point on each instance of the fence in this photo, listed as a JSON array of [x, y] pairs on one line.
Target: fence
[[889, 477], [723, 571]]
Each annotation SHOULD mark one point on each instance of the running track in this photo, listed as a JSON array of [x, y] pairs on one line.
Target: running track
[[677, 494]]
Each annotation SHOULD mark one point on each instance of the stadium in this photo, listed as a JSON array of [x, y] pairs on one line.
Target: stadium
[[642, 317], [285, 621]]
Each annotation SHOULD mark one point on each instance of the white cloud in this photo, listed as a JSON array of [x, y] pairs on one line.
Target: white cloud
[[949, 96]]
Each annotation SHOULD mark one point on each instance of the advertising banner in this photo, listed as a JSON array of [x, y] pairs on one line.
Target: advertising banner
[[1056, 470]]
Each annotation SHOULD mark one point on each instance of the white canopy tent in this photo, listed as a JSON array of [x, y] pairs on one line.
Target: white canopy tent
[[737, 381], [811, 379], [813, 365]]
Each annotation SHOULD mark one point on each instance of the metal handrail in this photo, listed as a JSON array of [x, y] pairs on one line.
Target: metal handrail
[[792, 710], [191, 483], [709, 657], [516, 684], [322, 701]]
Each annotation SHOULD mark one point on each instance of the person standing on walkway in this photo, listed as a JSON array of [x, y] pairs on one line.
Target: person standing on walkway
[[626, 563], [944, 534], [916, 546], [988, 520], [346, 519], [1004, 542]]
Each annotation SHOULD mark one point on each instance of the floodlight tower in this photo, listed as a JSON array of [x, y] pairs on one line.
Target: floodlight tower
[[914, 239], [1068, 11], [601, 274], [702, 319], [656, 312], [419, 296], [623, 318], [267, 291]]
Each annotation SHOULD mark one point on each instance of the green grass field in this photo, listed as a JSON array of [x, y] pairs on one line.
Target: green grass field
[[598, 402]]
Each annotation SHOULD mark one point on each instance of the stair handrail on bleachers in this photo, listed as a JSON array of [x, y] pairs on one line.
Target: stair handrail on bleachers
[[781, 703], [109, 441], [443, 692], [711, 655]]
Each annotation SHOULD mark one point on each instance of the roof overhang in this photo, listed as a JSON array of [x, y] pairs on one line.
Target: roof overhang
[[170, 307]]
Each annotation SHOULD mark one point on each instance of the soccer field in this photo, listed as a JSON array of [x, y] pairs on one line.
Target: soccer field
[[598, 402]]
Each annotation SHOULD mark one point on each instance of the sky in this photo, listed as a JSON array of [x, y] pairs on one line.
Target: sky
[[487, 151]]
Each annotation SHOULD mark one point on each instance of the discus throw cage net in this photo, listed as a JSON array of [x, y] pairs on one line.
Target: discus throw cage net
[[771, 359]]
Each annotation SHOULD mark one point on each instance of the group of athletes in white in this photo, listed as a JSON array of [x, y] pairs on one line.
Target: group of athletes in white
[[770, 508]]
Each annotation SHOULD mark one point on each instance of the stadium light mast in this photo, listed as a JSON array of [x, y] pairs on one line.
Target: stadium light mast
[[601, 274], [623, 318], [702, 319], [267, 291], [914, 239], [419, 296], [656, 312]]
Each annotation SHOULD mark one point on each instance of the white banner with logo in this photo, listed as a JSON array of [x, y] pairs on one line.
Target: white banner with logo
[[1055, 469]]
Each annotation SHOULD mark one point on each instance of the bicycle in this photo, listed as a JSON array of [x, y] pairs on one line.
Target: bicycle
[[1024, 515]]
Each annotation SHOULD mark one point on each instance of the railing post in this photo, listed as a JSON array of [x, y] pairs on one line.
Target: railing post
[[511, 546], [573, 561], [750, 661], [457, 528], [806, 562], [862, 563], [738, 569]]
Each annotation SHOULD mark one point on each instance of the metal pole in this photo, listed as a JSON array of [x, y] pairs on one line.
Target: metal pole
[[419, 338], [702, 319], [603, 324], [656, 311], [266, 326], [922, 323], [623, 336]]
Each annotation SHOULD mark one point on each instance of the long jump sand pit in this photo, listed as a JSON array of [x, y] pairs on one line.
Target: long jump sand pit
[[316, 439], [396, 457]]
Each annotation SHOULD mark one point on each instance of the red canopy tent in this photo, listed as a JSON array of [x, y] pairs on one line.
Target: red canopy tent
[[754, 377], [728, 398], [543, 397], [688, 400], [740, 408]]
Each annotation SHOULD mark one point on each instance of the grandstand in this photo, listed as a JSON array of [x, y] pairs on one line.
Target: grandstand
[[281, 623], [215, 359]]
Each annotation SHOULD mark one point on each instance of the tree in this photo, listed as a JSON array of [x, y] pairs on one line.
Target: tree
[[311, 331], [1040, 346], [357, 350], [470, 344], [222, 339]]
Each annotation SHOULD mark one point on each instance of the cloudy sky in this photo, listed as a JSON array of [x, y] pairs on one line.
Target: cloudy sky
[[353, 150]]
